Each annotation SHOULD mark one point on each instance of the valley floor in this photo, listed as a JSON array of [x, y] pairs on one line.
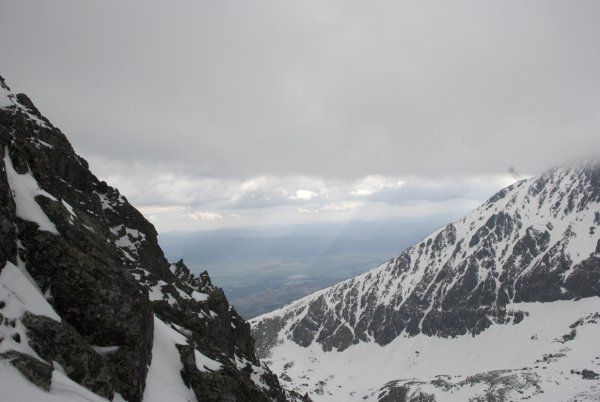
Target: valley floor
[[541, 358]]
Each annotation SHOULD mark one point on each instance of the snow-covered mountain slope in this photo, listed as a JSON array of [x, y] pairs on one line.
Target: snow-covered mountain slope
[[90, 309], [552, 355], [535, 241]]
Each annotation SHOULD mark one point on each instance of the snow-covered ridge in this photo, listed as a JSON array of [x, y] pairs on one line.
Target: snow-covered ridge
[[500, 305], [532, 241]]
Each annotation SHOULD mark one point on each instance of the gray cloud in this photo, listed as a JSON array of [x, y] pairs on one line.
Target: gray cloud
[[158, 186], [332, 89], [185, 202], [244, 112]]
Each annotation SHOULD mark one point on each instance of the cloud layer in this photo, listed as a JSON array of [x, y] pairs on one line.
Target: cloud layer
[[311, 106], [185, 202]]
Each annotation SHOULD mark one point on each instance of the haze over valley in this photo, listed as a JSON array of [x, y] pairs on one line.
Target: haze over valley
[[263, 269]]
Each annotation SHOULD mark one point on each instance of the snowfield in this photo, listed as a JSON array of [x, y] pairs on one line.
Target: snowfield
[[535, 347]]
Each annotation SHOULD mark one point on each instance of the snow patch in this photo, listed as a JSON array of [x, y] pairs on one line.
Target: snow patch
[[164, 382], [69, 208], [204, 363], [257, 372], [20, 295], [199, 297], [24, 189]]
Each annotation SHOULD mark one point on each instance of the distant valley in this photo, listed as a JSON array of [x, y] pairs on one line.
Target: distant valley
[[264, 268]]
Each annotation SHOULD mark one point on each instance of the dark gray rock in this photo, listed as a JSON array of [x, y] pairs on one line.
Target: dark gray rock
[[55, 341], [36, 371], [99, 284], [227, 384], [496, 386], [99, 299], [589, 375], [401, 394]]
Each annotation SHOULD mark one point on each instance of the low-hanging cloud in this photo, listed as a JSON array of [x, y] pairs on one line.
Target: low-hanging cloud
[[177, 201]]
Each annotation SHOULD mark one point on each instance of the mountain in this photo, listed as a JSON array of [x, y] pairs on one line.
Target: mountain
[[502, 304], [90, 309]]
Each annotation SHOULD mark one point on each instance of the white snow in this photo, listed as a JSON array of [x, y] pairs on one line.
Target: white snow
[[200, 297], [44, 143], [204, 363], [257, 372], [130, 241], [69, 208], [357, 371], [106, 204], [24, 189], [155, 293], [20, 295], [164, 382]]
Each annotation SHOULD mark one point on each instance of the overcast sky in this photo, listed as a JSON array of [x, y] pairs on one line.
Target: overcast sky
[[228, 113]]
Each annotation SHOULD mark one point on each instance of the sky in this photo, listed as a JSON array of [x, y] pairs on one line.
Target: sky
[[209, 114]]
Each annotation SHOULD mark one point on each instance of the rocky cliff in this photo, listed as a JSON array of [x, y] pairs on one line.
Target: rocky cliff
[[89, 306]]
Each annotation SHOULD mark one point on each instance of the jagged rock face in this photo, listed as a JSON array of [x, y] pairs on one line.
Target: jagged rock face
[[97, 262], [69, 349], [536, 240]]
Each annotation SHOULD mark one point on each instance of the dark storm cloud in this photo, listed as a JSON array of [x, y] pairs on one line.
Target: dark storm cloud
[[331, 89]]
